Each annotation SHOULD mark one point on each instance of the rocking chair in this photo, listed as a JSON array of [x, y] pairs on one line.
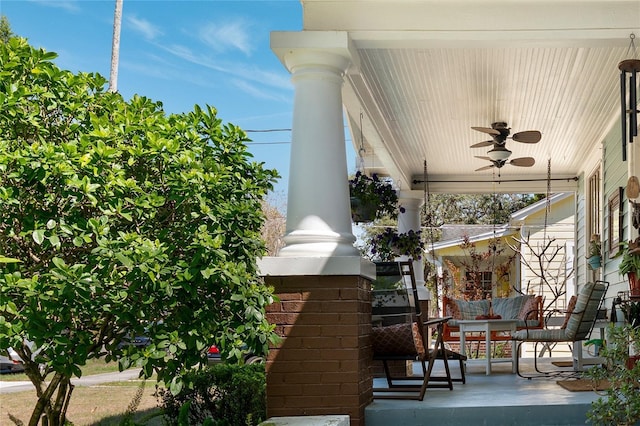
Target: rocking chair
[[398, 334]]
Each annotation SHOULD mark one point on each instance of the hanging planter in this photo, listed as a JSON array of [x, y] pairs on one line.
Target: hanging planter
[[371, 197], [594, 262], [634, 285], [361, 212], [390, 244], [594, 259]]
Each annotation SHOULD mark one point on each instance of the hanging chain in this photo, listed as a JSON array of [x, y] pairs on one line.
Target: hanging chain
[[632, 45], [429, 222], [547, 209], [361, 151]]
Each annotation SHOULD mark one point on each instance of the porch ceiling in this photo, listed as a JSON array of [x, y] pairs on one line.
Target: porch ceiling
[[426, 71]]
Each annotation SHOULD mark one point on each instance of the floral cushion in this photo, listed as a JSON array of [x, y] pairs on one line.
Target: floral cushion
[[570, 307], [530, 307], [451, 308]]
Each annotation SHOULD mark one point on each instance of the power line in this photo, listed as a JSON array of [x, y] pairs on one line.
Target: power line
[[266, 130]]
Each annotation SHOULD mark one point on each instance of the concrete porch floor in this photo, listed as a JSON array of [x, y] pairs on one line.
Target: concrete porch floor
[[502, 398]]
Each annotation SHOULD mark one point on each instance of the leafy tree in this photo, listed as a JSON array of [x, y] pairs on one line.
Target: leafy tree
[[482, 209], [5, 30], [275, 223], [125, 221]]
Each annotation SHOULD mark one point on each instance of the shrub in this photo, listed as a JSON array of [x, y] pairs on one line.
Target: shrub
[[230, 394]]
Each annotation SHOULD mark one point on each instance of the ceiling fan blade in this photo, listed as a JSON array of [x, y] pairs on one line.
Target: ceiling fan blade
[[530, 136], [482, 144], [483, 158], [490, 166], [487, 130], [523, 162]]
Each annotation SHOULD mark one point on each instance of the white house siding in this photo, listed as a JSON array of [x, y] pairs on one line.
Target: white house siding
[[581, 272], [560, 225], [614, 177]]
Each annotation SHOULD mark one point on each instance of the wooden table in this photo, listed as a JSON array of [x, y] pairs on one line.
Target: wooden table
[[487, 327]]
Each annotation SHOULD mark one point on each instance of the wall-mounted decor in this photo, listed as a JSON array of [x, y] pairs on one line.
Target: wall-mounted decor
[[615, 221]]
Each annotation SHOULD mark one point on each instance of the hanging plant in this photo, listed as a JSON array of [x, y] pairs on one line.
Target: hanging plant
[[630, 266], [390, 244], [373, 195], [595, 252]]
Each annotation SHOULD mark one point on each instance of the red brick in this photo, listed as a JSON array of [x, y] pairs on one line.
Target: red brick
[[326, 351], [293, 306], [282, 318], [340, 306], [318, 389], [326, 294], [284, 390], [301, 331], [303, 378], [274, 307], [348, 389], [349, 342], [340, 330], [340, 377], [289, 296], [299, 354]]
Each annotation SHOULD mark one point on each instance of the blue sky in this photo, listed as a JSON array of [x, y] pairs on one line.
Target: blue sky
[[182, 53]]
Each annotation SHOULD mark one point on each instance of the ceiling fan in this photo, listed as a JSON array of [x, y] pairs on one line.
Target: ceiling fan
[[520, 162], [500, 132], [499, 154]]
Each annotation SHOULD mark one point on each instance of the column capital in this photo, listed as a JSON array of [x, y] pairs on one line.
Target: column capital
[[308, 48]]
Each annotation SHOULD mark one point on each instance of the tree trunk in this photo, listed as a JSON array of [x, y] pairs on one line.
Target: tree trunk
[[52, 414], [115, 47]]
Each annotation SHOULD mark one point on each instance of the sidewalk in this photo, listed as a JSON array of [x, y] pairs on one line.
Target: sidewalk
[[10, 387]]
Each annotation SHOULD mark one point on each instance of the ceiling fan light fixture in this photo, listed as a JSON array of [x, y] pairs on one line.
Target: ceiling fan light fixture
[[499, 153]]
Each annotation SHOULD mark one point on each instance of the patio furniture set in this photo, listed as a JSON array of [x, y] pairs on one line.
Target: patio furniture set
[[402, 336]]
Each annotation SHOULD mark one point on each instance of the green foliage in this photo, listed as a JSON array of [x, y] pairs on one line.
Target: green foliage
[[373, 191], [595, 246], [5, 30], [621, 406], [389, 244], [126, 221], [630, 258], [227, 394], [482, 209]]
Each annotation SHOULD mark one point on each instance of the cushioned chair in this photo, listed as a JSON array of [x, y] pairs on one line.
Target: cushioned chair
[[577, 327], [398, 334]]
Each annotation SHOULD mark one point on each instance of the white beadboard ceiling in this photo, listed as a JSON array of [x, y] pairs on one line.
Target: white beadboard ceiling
[[425, 72]]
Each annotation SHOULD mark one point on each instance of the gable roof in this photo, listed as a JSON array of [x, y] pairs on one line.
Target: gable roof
[[500, 231]]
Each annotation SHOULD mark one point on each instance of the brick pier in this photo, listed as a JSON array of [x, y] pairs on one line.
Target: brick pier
[[322, 364]]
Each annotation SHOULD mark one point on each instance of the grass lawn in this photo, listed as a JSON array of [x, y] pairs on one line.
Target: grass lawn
[[102, 404], [96, 405]]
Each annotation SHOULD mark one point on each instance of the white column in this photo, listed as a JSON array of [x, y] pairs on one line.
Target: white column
[[407, 221], [318, 211]]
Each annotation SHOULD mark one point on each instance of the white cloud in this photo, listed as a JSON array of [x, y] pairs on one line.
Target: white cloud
[[280, 80], [144, 27], [227, 36], [258, 92], [69, 5]]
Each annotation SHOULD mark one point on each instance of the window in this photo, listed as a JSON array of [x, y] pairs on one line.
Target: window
[[593, 205], [615, 229], [479, 284]]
